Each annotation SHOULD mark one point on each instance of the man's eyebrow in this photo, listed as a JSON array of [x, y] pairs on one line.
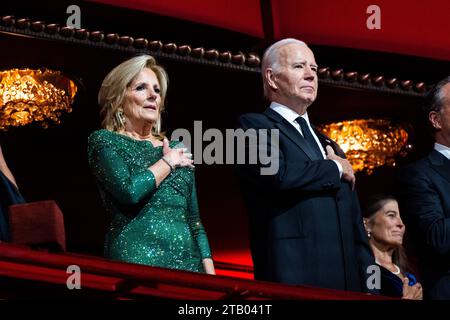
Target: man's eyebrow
[[304, 62]]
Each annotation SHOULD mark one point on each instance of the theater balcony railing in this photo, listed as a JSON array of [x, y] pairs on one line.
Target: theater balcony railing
[[29, 273]]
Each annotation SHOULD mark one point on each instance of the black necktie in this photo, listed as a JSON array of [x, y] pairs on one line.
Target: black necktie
[[309, 137]]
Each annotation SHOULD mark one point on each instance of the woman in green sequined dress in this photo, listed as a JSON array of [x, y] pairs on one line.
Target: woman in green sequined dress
[[146, 183]]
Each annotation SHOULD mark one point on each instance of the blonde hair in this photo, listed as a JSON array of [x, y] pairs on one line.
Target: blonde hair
[[112, 91]]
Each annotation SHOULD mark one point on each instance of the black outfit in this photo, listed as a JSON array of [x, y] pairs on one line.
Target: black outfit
[[8, 195], [392, 285], [305, 222], [424, 198]]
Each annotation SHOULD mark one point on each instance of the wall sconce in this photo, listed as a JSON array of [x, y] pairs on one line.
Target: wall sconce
[[34, 96], [369, 143]]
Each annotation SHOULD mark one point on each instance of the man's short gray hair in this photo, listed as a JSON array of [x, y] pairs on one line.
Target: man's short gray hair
[[271, 59], [435, 100]]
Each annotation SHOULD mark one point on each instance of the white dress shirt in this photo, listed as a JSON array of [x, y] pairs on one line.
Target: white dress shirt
[[442, 149], [291, 116]]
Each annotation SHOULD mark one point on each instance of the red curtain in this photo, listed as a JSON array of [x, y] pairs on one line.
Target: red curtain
[[407, 27], [237, 15]]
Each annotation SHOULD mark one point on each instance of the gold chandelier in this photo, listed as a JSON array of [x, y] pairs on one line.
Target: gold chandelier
[[369, 143], [34, 96]]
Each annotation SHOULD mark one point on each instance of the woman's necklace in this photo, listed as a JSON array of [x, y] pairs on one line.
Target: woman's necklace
[[396, 267]]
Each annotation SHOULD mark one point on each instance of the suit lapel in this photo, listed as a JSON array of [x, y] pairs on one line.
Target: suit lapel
[[440, 164], [325, 141], [284, 126]]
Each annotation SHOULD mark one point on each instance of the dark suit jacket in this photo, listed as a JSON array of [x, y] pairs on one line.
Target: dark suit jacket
[[424, 198], [305, 223], [9, 195]]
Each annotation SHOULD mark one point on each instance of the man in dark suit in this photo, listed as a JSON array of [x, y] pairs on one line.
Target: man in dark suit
[[424, 197], [305, 222]]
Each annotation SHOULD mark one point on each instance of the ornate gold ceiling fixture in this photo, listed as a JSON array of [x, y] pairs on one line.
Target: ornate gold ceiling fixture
[[369, 143], [28, 96]]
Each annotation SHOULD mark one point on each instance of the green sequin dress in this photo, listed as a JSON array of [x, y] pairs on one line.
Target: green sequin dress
[[158, 226]]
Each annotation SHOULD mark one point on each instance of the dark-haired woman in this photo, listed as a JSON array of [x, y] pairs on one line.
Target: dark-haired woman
[[385, 230]]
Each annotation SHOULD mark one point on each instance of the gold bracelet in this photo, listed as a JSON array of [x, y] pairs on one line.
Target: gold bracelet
[[168, 163]]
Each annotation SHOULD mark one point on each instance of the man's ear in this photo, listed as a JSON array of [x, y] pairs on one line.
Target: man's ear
[[271, 78], [435, 119]]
